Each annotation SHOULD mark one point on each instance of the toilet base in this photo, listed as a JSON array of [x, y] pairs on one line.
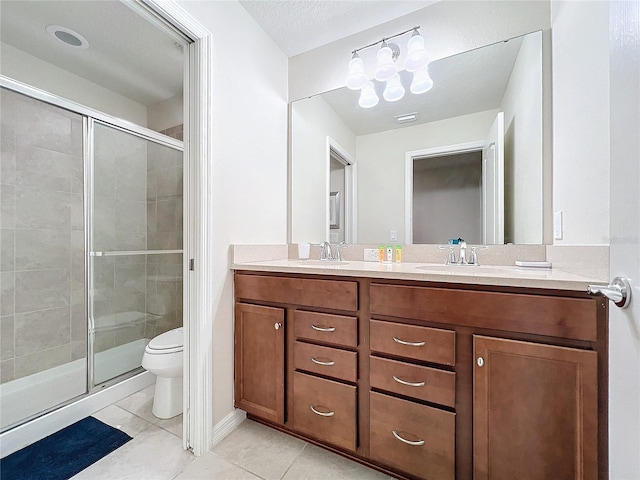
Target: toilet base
[[167, 400]]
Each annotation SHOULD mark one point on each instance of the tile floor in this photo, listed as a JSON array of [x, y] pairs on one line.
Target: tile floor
[[251, 452]]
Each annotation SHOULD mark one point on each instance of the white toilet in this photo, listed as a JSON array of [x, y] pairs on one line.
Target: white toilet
[[163, 357]]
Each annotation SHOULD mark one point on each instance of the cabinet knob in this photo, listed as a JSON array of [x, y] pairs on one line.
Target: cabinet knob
[[277, 325], [480, 361]]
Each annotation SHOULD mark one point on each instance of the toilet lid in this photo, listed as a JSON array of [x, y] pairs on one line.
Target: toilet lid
[[168, 340]]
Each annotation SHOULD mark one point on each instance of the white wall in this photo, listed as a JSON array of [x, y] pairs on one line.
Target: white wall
[[249, 138], [522, 107], [26, 68], [381, 169], [580, 41], [312, 121]]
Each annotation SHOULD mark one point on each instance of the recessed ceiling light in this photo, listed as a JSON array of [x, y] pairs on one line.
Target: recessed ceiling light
[[67, 36], [406, 118]]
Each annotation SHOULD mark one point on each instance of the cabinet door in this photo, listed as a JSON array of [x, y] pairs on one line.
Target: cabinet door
[[535, 411], [259, 361]]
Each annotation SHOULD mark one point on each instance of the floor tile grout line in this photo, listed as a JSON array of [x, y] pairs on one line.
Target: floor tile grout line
[[294, 460]]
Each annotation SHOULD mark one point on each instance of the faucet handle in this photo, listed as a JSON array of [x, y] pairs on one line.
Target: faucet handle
[[451, 257], [473, 258], [339, 247]]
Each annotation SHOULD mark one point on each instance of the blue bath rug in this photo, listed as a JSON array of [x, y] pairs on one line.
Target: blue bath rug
[[63, 454]]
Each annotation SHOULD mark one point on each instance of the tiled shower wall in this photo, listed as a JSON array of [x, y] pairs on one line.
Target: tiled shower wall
[[164, 232], [138, 206], [43, 321]]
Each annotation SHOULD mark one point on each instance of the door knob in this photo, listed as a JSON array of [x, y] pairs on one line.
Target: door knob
[[619, 292], [277, 325]]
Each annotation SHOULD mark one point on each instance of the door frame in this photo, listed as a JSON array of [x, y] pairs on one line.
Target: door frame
[[350, 190], [410, 157], [198, 299]]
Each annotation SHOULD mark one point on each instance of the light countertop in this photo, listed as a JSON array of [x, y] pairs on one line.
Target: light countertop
[[497, 275]]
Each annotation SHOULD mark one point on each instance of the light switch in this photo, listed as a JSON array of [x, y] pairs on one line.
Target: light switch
[[557, 225], [393, 235]]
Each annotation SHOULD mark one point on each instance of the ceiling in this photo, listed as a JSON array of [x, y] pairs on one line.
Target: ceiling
[[299, 26], [127, 54]]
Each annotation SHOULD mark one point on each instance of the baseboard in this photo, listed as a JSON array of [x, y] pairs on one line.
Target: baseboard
[[38, 428], [227, 425]]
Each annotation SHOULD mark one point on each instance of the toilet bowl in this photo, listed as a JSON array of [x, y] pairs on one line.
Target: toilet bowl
[[163, 356]]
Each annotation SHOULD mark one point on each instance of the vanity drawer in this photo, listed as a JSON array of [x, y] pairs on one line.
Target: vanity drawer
[[336, 294], [325, 410], [410, 341], [412, 438], [423, 383], [326, 328], [332, 362], [555, 316]]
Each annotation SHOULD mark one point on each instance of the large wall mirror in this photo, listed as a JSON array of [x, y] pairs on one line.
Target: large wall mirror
[[466, 161]]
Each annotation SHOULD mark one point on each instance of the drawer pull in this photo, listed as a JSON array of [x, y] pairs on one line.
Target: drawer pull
[[320, 362], [322, 414], [409, 384], [411, 344], [419, 443], [323, 329]]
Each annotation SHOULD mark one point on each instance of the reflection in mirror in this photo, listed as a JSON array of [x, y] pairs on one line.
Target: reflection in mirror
[[501, 202]]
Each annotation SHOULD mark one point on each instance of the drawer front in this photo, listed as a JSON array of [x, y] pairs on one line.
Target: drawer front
[[326, 328], [410, 341], [412, 438], [325, 410], [429, 384], [328, 361], [555, 316], [339, 294]]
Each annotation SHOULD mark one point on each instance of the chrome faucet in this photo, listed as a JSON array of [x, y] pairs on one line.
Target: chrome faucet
[[330, 254], [462, 257]]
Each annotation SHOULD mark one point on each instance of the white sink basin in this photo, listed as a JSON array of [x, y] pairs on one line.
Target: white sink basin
[[320, 263], [469, 269]]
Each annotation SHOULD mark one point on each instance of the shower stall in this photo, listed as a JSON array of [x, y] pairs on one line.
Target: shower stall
[[91, 249]]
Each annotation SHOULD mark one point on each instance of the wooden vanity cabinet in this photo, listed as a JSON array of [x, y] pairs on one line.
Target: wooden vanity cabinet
[[428, 381], [259, 361], [534, 411]]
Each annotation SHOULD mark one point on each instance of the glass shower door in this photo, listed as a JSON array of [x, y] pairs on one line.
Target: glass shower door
[[43, 335], [136, 247]]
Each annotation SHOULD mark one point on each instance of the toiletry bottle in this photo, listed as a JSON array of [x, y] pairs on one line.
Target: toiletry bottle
[[381, 253], [398, 253], [389, 254]]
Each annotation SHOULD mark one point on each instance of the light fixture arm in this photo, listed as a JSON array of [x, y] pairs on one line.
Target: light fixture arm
[[384, 40]]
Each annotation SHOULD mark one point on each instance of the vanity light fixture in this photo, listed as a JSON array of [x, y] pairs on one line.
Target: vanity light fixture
[[368, 96], [357, 78], [421, 81], [386, 70], [394, 90]]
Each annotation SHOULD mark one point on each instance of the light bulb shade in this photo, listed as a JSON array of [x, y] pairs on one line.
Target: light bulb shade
[[368, 96], [417, 56], [421, 81], [394, 90], [356, 78], [386, 67]]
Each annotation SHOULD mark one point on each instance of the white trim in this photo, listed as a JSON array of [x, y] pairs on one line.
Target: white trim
[[350, 189], [409, 157], [30, 432], [227, 425], [198, 300]]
